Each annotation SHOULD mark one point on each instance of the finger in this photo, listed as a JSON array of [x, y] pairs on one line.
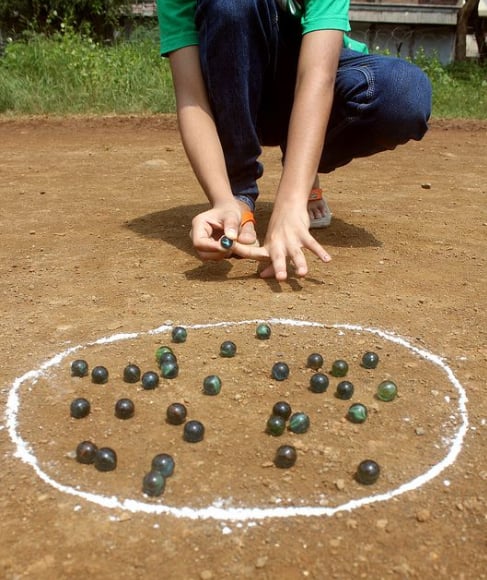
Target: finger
[[230, 227], [280, 267], [299, 261], [205, 238], [201, 228], [251, 252], [267, 272], [270, 272], [318, 249], [213, 256], [208, 246]]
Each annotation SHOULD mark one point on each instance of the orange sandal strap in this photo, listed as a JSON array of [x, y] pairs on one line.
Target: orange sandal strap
[[316, 194], [247, 216]]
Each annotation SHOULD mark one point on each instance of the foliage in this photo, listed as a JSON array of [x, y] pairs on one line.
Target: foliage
[[459, 88], [68, 73], [99, 18], [71, 73]]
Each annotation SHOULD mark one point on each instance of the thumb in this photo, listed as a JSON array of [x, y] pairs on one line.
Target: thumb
[[231, 225]]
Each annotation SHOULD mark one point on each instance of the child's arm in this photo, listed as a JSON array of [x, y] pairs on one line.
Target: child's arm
[[288, 231], [204, 151]]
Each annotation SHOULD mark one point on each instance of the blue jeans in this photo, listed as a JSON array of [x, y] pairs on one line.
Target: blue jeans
[[249, 52]]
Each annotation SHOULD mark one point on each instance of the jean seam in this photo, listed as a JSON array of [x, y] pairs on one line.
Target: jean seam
[[369, 93]]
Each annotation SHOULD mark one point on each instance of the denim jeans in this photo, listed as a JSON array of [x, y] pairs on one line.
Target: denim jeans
[[249, 52]]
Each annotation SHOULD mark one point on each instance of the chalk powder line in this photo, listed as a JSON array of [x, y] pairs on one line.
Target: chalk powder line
[[215, 511]]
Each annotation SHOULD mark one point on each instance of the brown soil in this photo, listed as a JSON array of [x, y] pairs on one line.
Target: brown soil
[[95, 220]]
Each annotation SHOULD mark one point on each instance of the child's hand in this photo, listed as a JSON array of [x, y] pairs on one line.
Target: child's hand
[[210, 226], [287, 236]]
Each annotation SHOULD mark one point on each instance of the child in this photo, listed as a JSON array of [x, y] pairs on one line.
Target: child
[[249, 73]]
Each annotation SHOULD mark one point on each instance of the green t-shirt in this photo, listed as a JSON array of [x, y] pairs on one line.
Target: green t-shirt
[[177, 27]]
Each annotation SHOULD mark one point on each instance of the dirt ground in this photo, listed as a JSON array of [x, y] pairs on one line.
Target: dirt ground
[[95, 215]]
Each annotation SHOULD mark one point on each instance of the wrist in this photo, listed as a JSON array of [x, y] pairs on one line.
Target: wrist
[[292, 199]]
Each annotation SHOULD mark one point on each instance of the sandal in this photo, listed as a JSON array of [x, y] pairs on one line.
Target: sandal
[[324, 221]]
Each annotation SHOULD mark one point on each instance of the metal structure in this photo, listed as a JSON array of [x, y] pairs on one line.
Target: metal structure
[[405, 28], [398, 27]]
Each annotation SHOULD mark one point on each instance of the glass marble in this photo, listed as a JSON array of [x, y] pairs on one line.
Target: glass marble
[[318, 383], [99, 375], [169, 369], [79, 368], [344, 390], [164, 463], [131, 373], [314, 361], [179, 334], [85, 452], [282, 409], [80, 408], [105, 459], [212, 385], [228, 349], [387, 391], [194, 431], [263, 331], [357, 413], [160, 351], [285, 456], [370, 360], [150, 380], [167, 357], [153, 483], [226, 243], [339, 368], [124, 409], [280, 371], [299, 422], [276, 425], [176, 414], [367, 472]]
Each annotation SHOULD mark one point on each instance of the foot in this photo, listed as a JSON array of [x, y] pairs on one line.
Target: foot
[[318, 210]]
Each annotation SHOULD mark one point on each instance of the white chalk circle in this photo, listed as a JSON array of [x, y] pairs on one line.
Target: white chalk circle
[[222, 509]]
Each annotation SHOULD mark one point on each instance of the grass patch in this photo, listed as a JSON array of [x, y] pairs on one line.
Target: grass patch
[[459, 89], [69, 73]]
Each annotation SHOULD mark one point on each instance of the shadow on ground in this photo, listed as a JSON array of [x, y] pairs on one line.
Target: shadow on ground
[[173, 225]]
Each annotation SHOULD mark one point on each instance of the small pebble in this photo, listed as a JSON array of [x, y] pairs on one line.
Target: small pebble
[[335, 542], [423, 515]]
